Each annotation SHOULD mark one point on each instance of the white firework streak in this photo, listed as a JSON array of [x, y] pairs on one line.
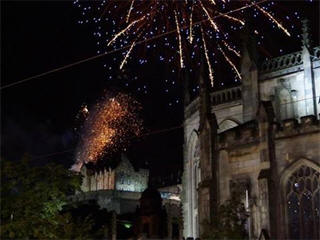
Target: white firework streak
[[232, 18], [190, 28], [124, 61], [273, 19], [230, 48], [124, 30], [179, 38], [209, 17], [129, 12], [207, 58], [229, 61]]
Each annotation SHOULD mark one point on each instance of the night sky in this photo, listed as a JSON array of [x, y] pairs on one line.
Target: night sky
[[39, 116]]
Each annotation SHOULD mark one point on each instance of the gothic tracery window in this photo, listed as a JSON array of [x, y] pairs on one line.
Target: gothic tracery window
[[195, 181], [196, 163], [303, 204], [285, 104], [196, 153]]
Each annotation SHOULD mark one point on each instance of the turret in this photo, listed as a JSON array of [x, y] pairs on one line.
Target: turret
[[309, 81], [249, 73]]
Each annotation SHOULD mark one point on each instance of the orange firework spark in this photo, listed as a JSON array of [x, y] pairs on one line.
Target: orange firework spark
[[108, 128]]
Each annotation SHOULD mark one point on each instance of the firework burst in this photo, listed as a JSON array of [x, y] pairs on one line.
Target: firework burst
[[189, 29], [108, 128]]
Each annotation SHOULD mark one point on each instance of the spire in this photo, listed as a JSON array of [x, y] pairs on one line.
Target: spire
[[249, 72], [309, 79], [186, 87], [249, 46], [204, 95], [306, 35]]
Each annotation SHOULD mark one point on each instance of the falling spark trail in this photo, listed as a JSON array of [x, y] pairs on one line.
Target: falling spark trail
[[158, 24], [207, 58], [190, 28], [179, 37], [209, 17], [129, 12], [232, 18], [159, 18], [230, 48], [124, 61], [124, 30], [273, 19], [229, 61]]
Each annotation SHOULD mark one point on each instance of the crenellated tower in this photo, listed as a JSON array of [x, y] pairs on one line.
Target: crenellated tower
[[208, 189], [260, 138], [249, 73]]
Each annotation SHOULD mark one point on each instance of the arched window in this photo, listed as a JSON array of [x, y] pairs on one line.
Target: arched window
[[195, 181], [190, 194], [285, 97], [285, 104], [303, 203]]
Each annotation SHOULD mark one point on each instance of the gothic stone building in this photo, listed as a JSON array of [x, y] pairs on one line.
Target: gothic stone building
[[261, 138], [115, 188], [119, 188]]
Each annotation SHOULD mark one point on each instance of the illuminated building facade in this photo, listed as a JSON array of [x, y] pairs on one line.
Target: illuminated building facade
[[116, 189], [123, 190], [261, 138]]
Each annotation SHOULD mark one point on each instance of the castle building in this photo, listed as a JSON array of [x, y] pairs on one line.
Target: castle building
[[137, 210], [261, 138], [116, 188]]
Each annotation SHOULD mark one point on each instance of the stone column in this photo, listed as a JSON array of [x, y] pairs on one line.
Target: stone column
[[184, 194], [274, 187], [96, 180], [169, 222], [294, 103], [268, 180], [263, 201], [208, 189], [109, 179], [181, 223], [114, 226], [104, 179], [249, 74], [309, 82]]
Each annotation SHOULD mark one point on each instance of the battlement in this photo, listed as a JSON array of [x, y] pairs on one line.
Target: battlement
[[249, 132], [291, 127], [284, 61], [243, 134], [217, 97], [226, 95], [287, 64], [287, 61]]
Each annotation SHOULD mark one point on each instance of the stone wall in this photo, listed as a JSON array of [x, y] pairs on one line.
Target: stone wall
[[256, 146], [117, 189], [119, 201], [98, 180], [128, 179], [123, 178]]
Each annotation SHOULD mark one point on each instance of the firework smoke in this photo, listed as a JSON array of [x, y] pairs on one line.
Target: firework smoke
[[108, 128]]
